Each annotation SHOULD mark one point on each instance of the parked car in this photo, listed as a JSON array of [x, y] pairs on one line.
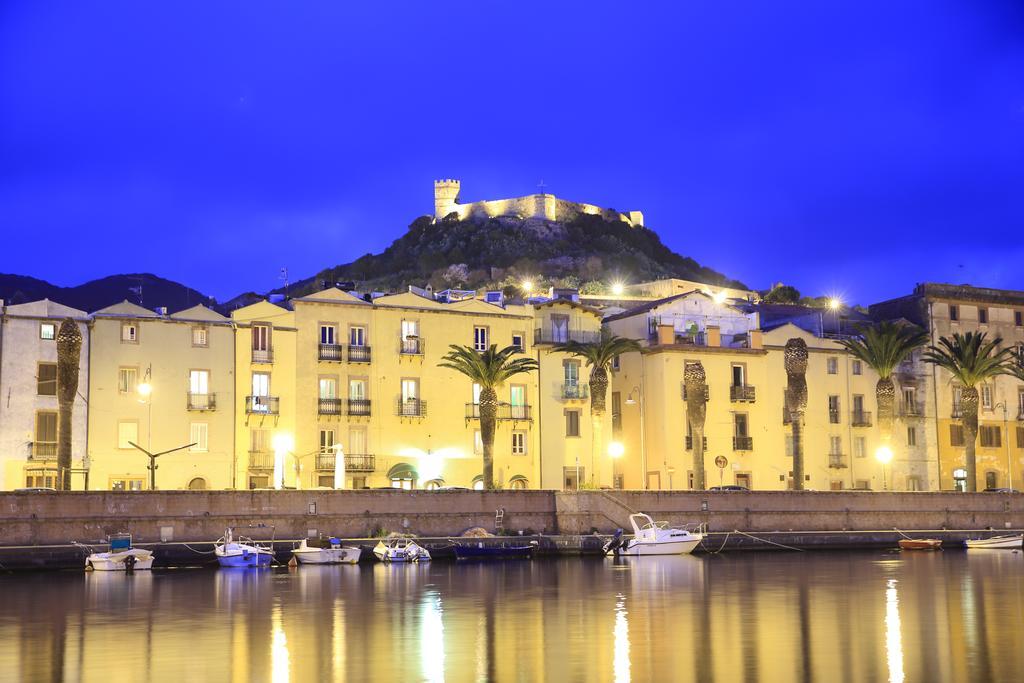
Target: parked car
[[729, 487], [1000, 489]]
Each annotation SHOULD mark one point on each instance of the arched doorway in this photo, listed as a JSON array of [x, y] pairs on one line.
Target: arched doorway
[[518, 483], [197, 484], [402, 476]]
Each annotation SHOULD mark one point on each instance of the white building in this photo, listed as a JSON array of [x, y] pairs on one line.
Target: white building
[[28, 394]]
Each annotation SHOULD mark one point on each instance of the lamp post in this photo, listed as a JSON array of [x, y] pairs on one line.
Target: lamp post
[[339, 466], [615, 450], [643, 445], [282, 444], [1006, 440], [145, 390], [884, 455]]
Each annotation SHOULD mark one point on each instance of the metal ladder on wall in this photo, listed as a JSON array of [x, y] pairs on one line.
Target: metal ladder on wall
[[499, 519]]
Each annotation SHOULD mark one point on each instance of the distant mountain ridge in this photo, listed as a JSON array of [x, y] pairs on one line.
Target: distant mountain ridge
[[145, 288]]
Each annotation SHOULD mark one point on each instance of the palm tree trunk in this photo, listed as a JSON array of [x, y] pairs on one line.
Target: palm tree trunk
[[598, 400], [796, 402], [69, 351], [885, 396], [488, 419], [695, 381], [969, 404]]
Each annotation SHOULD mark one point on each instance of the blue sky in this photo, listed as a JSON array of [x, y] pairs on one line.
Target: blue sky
[[851, 147]]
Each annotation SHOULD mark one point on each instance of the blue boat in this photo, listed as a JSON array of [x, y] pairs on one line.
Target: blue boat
[[476, 550], [241, 552]]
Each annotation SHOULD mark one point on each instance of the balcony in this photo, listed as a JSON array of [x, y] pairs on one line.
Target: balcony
[[411, 407], [743, 443], [548, 335], [330, 352], [689, 443], [957, 412], [707, 391], [359, 407], [741, 393], [262, 405], [262, 355], [833, 416], [202, 401], [353, 462], [505, 411], [911, 409], [410, 346], [328, 406], [261, 460], [44, 450], [860, 418], [837, 461], [358, 354], [573, 391]]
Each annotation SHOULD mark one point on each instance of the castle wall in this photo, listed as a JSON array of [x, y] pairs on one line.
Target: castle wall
[[545, 206]]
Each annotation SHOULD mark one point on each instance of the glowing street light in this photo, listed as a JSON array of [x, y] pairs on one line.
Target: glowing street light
[[282, 444], [616, 449], [527, 286], [883, 454], [617, 288], [719, 297], [834, 304]]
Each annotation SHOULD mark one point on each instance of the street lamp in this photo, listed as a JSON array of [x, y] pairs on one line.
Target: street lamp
[[884, 455], [145, 390], [617, 288], [527, 286], [282, 444], [616, 449], [643, 446]]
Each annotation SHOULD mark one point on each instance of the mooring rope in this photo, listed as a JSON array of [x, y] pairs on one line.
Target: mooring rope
[[716, 552], [199, 552], [765, 540]]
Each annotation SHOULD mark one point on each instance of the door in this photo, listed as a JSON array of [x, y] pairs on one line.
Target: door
[[328, 388], [410, 397], [737, 376], [357, 389], [260, 392], [357, 442], [573, 476], [327, 335], [357, 336], [199, 388], [743, 479], [654, 481], [559, 328], [517, 399]]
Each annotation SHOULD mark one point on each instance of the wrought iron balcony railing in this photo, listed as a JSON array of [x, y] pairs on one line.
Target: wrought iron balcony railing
[[860, 418], [574, 391], [330, 352], [911, 409], [837, 461], [44, 450], [359, 407], [262, 355], [743, 443], [689, 443], [742, 392], [328, 406], [354, 462], [548, 335], [410, 346], [505, 411], [358, 354], [202, 401], [957, 412], [707, 392], [411, 407], [262, 405], [833, 416], [261, 460]]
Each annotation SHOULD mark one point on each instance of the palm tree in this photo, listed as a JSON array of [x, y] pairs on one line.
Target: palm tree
[[489, 369], [69, 352], [795, 358], [695, 382], [599, 356], [971, 360], [882, 348]]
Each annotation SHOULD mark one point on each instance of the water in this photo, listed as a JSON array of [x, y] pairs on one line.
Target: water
[[947, 616]]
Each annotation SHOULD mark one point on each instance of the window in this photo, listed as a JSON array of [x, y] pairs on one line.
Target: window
[[911, 436], [46, 379], [520, 484], [478, 442], [616, 413], [127, 380], [615, 362], [327, 443], [991, 436], [40, 478], [127, 431], [860, 447], [744, 479], [572, 423], [478, 483], [986, 396], [259, 481], [862, 485], [1018, 318], [983, 315], [571, 372], [357, 336], [1020, 437], [357, 442], [476, 394], [261, 337], [835, 445], [134, 484], [913, 483], [48, 331], [739, 423], [517, 402], [46, 434], [199, 435], [480, 338], [328, 334], [259, 441], [956, 435], [857, 367], [328, 387], [260, 384], [129, 333], [199, 382], [559, 329], [910, 401], [991, 479], [738, 375], [954, 312], [833, 409], [835, 485], [518, 341], [833, 365], [1020, 404], [518, 443], [960, 479], [200, 336]]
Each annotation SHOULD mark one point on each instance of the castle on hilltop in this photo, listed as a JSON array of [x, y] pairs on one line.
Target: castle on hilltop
[[544, 206]]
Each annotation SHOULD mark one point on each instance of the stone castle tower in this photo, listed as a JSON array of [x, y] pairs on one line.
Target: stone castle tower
[[543, 206]]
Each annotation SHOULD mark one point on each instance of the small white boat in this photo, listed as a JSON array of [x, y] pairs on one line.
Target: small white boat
[[326, 551], [653, 538], [997, 542], [243, 552], [121, 557], [400, 550]]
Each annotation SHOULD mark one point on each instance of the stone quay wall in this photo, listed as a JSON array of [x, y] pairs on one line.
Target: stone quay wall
[[59, 518]]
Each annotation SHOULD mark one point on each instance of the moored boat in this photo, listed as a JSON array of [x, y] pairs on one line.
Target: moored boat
[[400, 550], [920, 544], [468, 550], [121, 556], [241, 552], [326, 551], [652, 538], [1013, 542]]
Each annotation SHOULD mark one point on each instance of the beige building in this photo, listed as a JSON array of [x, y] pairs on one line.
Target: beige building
[[162, 382]]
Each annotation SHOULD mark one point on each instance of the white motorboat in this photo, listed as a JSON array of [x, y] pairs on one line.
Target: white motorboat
[[997, 542], [121, 557], [243, 552], [326, 551], [652, 538], [400, 550]]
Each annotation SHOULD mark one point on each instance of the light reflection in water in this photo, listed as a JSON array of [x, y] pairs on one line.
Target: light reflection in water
[[893, 638], [280, 664], [621, 662], [432, 637]]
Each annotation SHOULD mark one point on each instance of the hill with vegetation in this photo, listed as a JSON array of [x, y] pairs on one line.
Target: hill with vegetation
[[145, 288]]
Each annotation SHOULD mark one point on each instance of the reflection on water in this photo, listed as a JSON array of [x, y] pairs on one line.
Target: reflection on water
[[948, 616]]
